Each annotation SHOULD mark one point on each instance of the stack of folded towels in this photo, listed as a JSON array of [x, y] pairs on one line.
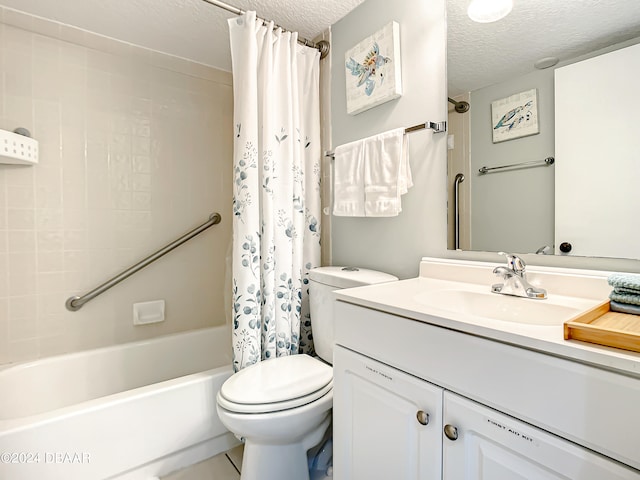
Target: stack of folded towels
[[625, 296]]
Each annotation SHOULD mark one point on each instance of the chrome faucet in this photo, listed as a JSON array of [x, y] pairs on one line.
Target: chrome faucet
[[515, 279]]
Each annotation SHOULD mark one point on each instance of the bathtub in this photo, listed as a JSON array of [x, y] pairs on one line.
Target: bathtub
[[127, 412]]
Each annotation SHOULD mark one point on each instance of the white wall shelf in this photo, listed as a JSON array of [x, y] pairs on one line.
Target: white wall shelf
[[16, 149]]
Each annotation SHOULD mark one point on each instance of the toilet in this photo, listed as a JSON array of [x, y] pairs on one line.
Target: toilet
[[282, 407]]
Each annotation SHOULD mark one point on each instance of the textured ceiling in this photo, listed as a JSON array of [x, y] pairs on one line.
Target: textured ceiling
[[478, 54], [190, 29], [483, 54]]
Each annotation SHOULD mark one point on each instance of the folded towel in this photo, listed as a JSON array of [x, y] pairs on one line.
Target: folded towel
[[370, 175], [387, 174], [623, 290], [625, 282], [625, 298], [348, 180], [624, 308]]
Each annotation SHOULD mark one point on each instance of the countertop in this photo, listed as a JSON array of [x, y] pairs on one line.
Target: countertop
[[403, 298]]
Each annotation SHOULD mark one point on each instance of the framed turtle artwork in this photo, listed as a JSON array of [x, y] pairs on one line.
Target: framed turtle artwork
[[515, 116], [373, 70]]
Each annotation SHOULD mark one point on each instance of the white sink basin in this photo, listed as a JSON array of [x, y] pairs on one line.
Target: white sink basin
[[499, 307]]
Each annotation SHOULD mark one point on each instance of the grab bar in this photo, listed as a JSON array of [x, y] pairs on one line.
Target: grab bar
[[456, 207], [75, 303], [534, 163]]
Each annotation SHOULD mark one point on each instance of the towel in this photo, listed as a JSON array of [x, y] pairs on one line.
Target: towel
[[626, 288], [387, 174], [348, 180], [623, 290], [625, 282], [628, 298], [624, 308], [371, 174]]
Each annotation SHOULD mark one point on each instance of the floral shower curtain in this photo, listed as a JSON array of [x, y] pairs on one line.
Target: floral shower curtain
[[276, 196]]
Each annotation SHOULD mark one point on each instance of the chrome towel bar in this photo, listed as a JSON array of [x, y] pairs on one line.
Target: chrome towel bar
[[75, 303], [535, 163], [437, 127]]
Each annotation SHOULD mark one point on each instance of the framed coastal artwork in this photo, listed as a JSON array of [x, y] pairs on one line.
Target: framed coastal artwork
[[373, 70], [515, 116]]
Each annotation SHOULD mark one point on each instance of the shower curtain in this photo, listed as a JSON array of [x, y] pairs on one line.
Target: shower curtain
[[276, 190]]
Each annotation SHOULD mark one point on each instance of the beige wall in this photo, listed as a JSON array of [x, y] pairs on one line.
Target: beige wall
[[530, 217], [135, 149], [325, 162], [396, 244]]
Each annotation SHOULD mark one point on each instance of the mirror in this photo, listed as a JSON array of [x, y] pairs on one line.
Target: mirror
[[525, 209]]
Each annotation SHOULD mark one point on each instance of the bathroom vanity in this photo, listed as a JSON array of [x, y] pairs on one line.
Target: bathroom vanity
[[437, 378]]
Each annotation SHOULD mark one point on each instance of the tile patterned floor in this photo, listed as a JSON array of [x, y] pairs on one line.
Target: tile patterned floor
[[235, 456], [225, 466]]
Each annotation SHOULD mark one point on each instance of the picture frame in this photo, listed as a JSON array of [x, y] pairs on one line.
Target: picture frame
[[373, 70], [515, 116]]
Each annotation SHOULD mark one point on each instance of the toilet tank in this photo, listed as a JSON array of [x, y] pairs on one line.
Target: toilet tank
[[323, 281]]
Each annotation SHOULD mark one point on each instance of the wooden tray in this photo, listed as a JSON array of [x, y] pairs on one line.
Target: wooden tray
[[602, 326]]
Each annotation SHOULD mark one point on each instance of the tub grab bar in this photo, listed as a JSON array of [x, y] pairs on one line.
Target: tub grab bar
[[75, 303]]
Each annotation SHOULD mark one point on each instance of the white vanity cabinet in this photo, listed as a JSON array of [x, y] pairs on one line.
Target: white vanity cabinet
[[516, 413], [482, 444], [392, 425], [389, 423]]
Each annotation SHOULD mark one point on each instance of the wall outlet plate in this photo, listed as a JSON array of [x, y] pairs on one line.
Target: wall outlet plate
[[148, 312]]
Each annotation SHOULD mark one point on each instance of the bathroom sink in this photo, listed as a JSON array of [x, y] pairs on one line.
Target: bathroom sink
[[499, 307]]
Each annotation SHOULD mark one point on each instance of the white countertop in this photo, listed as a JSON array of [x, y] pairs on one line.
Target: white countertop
[[406, 298]]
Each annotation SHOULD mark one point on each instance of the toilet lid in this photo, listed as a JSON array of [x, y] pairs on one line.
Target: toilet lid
[[281, 379], [277, 406]]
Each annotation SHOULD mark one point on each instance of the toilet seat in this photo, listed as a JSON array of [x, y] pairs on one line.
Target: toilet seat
[[273, 407], [278, 384]]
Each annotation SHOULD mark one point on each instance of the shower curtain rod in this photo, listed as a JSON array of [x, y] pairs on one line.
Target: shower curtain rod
[[460, 107], [322, 45]]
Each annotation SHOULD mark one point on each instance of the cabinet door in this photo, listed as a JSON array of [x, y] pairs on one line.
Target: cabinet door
[[494, 446], [386, 424]]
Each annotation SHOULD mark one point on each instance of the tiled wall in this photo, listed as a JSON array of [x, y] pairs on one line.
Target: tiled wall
[[135, 149]]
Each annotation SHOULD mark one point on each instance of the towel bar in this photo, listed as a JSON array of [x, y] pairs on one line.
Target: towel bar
[[437, 127], [534, 163]]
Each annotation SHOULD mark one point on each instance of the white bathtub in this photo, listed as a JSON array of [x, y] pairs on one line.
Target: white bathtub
[[131, 411]]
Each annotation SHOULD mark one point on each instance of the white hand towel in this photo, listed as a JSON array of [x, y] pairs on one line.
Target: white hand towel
[[348, 180], [387, 174]]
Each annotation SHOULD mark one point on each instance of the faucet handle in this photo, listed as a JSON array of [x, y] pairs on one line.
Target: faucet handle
[[514, 262]]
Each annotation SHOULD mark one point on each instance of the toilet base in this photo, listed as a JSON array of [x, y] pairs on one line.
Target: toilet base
[[320, 458], [280, 461]]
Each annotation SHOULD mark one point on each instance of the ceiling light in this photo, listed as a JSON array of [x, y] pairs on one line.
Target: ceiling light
[[486, 11]]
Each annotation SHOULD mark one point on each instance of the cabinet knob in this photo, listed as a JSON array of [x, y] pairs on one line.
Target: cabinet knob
[[451, 432], [423, 417]]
